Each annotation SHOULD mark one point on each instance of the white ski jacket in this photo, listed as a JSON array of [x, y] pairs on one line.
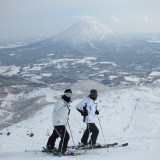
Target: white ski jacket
[[60, 112], [91, 108]]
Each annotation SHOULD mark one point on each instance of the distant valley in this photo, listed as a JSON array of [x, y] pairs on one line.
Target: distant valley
[[86, 51]]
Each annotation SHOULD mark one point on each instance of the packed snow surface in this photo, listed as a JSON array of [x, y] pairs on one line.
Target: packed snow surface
[[126, 115]]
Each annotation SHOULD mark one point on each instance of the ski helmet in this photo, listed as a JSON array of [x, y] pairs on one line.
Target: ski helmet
[[93, 91], [93, 94], [68, 93]]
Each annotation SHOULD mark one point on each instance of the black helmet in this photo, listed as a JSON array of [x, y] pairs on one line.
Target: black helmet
[[68, 93], [93, 91], [93, 94]]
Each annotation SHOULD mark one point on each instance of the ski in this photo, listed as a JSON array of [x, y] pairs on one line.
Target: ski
[[73, 154], [95, 146], [43, 150], [35, 151], [123, 145], [114, 145], [100, 146], [55, 153]]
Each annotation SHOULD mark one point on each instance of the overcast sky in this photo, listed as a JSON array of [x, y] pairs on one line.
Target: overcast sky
[[34, 18]]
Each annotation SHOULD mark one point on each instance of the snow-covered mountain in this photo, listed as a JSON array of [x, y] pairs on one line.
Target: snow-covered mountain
[[85, 30], [89, 36], [86, 50], [126, 115]]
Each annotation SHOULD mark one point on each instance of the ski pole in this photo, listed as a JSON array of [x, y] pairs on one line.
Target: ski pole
[[101, 130], [71, 134], [64, 135], [88, 126]]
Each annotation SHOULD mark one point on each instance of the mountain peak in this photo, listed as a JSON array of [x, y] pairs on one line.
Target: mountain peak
[[85, 30], [95, 26]]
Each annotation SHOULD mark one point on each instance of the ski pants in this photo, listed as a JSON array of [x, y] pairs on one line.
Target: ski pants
[[91, 128], [59, 131]]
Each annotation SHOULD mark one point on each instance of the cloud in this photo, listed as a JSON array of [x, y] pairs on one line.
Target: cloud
[[84, 17], [137, 20], [146, 19], [142, 19], [114, 19]]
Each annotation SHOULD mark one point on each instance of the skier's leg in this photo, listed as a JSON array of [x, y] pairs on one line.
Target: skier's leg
[[95, 132], [85, 136], [64, 139], [52, 139]]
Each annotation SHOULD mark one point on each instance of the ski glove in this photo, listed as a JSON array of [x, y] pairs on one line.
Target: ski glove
[[97, 112], [84, 113]]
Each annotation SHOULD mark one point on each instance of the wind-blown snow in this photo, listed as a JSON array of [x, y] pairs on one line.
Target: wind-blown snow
[[127, 115]]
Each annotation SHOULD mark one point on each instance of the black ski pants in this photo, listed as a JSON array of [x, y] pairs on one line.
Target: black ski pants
[[59, 131], [91, 128]]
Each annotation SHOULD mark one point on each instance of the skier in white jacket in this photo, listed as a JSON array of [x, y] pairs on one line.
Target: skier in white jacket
[[60, 119], [88, 109]]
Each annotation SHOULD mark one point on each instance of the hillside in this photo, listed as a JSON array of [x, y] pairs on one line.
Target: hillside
[[126, 114]]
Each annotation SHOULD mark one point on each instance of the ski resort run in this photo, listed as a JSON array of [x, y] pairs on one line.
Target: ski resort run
[[126, 115]]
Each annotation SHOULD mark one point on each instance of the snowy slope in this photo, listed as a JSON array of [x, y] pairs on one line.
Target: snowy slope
[[127, 115]]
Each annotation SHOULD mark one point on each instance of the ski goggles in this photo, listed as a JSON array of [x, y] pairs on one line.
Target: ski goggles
[[94, 95], [68, 95]]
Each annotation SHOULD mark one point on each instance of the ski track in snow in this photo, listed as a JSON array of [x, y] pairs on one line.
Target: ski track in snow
[[127, 115]]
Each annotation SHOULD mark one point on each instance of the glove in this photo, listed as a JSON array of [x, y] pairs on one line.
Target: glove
[[84, 113], [97, 112]]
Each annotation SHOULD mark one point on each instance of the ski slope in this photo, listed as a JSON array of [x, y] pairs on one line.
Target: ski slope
[[127, 115]]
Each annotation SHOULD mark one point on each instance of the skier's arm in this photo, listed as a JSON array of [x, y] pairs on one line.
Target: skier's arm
[[80, 107], [58, 106], [97, 111]]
